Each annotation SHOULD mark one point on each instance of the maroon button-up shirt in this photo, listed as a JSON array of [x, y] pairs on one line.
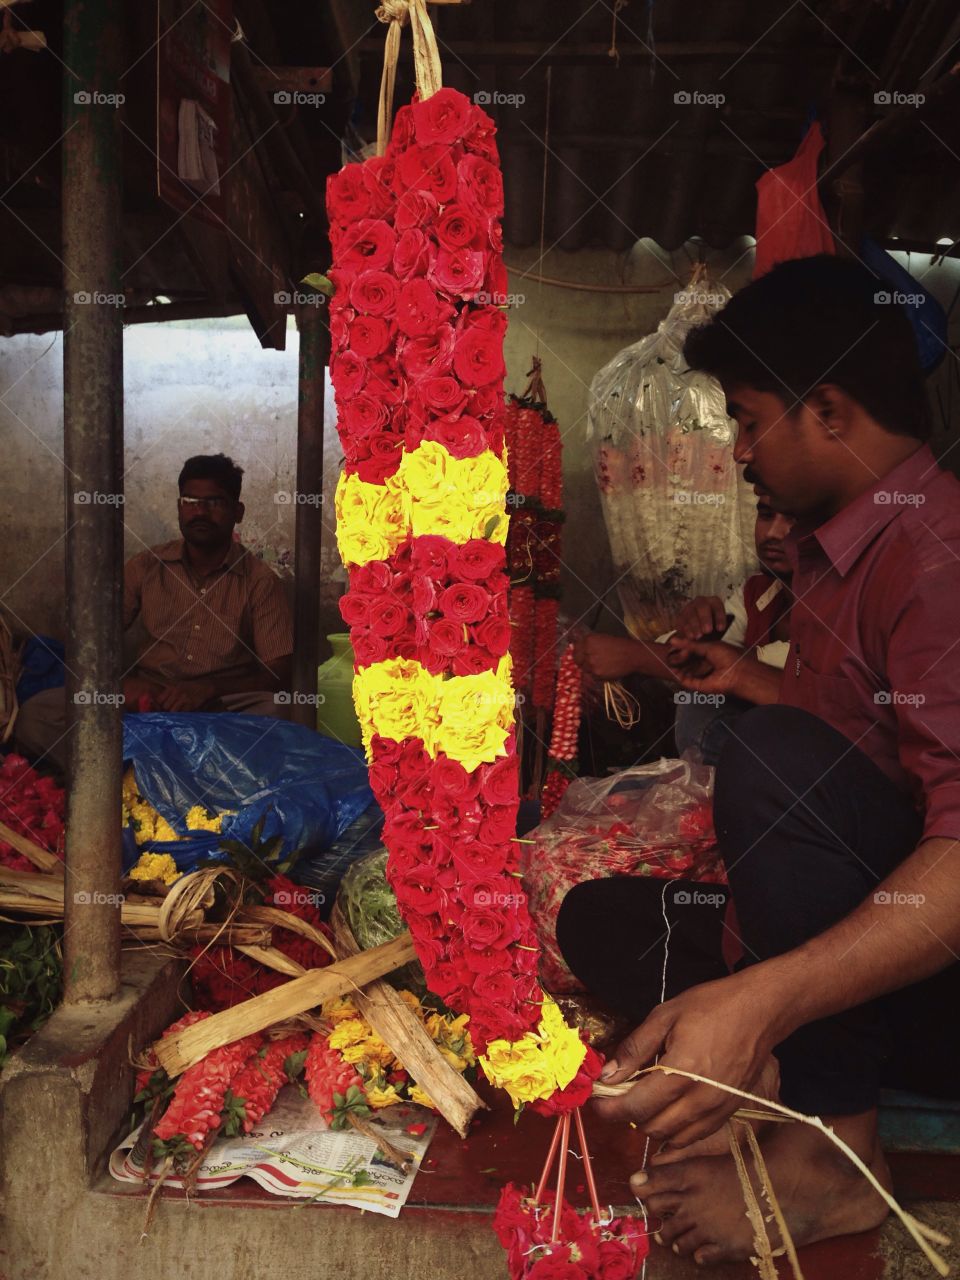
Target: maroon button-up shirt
[[875, 632]]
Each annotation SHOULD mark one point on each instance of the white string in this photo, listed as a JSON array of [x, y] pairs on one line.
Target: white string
[[663, 996]]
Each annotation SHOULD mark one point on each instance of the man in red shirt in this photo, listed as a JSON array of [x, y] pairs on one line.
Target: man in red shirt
[[842, 851]]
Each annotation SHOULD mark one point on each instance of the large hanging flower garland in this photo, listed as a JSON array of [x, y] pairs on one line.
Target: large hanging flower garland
[[417, 369]]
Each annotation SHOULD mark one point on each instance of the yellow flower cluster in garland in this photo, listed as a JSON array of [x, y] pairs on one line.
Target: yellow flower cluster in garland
[[539, 1062], [155, 866], [430, 493], [359, 1045], [150, 827], [466, 717]]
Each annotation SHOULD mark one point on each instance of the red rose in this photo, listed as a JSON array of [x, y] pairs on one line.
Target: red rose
[[347, 372], [413, 761], [383, 778], [349, 196], [462, 437], [488, 401], [499, 825], [446, 637], [442, 118], [617, 1260], [415, 209], [477, 559], [496, 1023], [487, 960], [472, 662], [430, 951], [401, 131], [374, 293], [497, 988], [385, 455], [368, 648], [464, 602], [432, 354], [340, 327], [500, 783], [415, 794], [364, 415], [495, 235], [450, 777], [494, 635], [367, 245], [378, 176], [457, 228], [413, 255], [430, 554], [428, 169], [376, 576], [496, 283], [440, 393], [488, 318], [420, 895], [355, 608], [383, 750], [385, 380], [457, 272], [478, 358], [557, 1265], [445, 981], [419, 311], [479, 186], [475, 857], [369, 336], [493, 927], [424, 594], [387, 617]]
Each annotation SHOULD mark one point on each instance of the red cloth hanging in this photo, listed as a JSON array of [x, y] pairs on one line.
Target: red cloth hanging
[[791, 222]]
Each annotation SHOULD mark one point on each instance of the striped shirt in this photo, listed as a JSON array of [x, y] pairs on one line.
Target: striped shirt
[[231, 623]]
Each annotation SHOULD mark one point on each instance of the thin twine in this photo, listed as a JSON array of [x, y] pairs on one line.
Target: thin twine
[[543, 202], [663, 997]]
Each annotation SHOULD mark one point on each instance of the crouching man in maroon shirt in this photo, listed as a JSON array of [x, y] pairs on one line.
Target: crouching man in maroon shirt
[[842, 852]]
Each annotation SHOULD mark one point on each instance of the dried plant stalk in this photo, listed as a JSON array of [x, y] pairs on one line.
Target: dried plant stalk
[[400, 1028], [177, 1052], [42, 858]]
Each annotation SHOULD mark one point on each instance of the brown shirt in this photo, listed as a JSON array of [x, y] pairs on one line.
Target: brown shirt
[[233, 622], [875, 631]]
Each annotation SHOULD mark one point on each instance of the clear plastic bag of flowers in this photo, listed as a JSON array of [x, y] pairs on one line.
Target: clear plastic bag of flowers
[[679, 515]]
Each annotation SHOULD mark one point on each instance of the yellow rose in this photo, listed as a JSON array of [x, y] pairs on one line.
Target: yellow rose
[[351, 1031], [424, 1099], [339, 1009]]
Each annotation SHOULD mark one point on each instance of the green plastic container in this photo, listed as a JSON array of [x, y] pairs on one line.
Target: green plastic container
[[336, 717]]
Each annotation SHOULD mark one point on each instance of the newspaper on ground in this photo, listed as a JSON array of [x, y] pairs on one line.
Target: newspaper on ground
[[293, 1152]]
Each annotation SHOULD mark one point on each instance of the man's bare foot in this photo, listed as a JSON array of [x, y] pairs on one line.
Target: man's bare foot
[[701, 1206], [768, 1086]]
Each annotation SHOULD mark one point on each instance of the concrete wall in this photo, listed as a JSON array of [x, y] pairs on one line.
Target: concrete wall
[[202, 386]]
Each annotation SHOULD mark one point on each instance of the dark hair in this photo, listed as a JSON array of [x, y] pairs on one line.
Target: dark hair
[[213, 466], [819, 320]]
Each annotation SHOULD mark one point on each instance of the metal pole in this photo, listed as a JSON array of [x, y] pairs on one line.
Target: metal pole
[[314, 353], [93, 455]]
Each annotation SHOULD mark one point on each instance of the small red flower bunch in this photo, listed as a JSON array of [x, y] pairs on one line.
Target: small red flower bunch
[[585, 1247], [32, 806], [254, 1088], [193, 1114]]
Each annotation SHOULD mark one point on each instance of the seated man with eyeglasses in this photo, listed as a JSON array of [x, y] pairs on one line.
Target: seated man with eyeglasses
[[217, 628]]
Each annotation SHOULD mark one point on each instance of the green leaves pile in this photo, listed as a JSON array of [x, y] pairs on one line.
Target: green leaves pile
[[31, 971]]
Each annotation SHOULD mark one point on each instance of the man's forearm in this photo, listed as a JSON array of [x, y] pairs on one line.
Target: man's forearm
[[756, 681], [650, 659], [907, 928]]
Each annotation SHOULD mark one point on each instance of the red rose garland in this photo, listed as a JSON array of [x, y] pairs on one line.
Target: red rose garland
[[417, 369]]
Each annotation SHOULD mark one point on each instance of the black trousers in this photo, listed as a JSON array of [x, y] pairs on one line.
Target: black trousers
[[807, 826]]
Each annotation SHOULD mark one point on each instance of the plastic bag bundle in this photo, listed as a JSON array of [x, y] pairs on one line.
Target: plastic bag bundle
[[679, 515], [307, 789], [652, 820]]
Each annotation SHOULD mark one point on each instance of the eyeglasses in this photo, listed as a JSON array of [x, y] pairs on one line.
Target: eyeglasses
[[214, 504]]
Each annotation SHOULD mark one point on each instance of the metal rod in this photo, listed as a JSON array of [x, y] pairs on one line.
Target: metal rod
[[587, 1163], [561, 1177], [548, 1163], [308, 497], [93, 456]]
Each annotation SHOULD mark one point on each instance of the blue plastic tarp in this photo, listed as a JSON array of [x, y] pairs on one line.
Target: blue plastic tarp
[[307, 788]]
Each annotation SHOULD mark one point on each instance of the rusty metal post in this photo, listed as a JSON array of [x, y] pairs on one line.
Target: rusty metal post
[[314, 353], [93, 457]]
